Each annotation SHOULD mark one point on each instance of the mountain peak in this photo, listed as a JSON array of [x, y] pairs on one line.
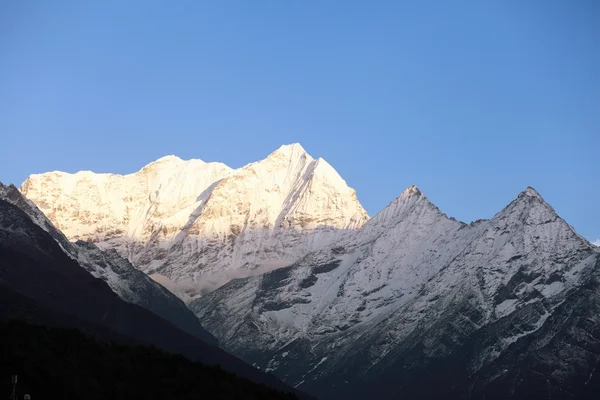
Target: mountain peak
[[9, 192], [411, 201], [167, 158], [292, 147], [287, 156], [172, 161], [529, 207], [529, 191], [4, 187], [531, 197], [293, 150], [412, 190]]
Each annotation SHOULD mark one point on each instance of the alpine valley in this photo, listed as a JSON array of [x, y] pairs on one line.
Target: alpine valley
[[281, 264]]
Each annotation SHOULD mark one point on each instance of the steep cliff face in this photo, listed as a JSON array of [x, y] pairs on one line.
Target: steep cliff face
[[194, 225], [133, 286], [127, 282], [393, 305]]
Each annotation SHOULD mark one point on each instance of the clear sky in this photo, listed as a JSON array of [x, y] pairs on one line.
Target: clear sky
[[472, 101]]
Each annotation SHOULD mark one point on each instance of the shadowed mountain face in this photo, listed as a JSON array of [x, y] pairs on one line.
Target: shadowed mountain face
[[126, 281], [41, 283], [418, 305]]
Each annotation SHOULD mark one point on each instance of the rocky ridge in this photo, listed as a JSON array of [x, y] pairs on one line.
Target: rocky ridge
[[412, 293], [126, 281]]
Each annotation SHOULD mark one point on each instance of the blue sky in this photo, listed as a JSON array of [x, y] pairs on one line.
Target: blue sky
[[470, 100]]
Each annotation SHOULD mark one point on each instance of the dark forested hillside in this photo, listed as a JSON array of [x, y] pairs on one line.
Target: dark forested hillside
[[58, 363]]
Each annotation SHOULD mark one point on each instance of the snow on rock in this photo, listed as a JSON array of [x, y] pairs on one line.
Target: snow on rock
[[410, 278], [200, 224], [120, 211]]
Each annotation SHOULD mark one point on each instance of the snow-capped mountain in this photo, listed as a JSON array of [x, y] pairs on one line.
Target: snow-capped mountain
[[409, 304], [125, 280], [123, 212], [419, 305], [193, 226]]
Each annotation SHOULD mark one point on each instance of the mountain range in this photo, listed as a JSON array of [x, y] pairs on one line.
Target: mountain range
[[193, 226], [418, 305], [282, 265]]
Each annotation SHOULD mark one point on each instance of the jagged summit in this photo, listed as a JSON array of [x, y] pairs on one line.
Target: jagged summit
[[291, 148], [174, 160], [531, 192], [529, 205], [9, 191], [411, 203], [286, 156], [412, 190], [200, 224], [172, 163], [10, 186], [169, 158], [6, 190], [410, 290]]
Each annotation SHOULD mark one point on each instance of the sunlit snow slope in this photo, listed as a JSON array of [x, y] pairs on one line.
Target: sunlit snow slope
[[193, 226]]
